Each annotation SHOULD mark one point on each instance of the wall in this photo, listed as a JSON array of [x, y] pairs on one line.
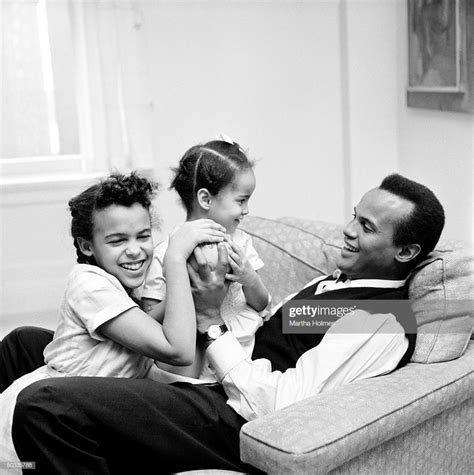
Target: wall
[[372, 145], [294, 81], [266, 74], [437, 148], [36, 250]]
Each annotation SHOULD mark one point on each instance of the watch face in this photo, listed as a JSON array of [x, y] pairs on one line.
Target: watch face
[[214, 331]]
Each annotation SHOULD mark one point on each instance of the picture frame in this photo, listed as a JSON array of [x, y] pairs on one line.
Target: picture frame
[[440, 54]]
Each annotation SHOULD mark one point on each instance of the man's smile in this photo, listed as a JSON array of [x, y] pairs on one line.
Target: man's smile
[[350, 248]]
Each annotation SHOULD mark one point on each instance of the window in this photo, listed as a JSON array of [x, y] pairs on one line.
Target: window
[[74, 98], [41, 118]]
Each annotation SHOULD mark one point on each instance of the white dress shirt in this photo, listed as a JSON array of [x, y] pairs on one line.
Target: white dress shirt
[[343, 356]]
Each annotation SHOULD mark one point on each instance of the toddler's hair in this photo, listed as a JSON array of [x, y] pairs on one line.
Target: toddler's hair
[[116, 189], [212, 165]]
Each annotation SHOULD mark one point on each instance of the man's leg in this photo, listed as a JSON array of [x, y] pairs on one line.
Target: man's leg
[[111, 425], [21, 351]]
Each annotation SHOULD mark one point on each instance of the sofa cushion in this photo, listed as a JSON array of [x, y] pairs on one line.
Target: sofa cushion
[[297, 250], [294, 251], [441, 290], [321, 432]]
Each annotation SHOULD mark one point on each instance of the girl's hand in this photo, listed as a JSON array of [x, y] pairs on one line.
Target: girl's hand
[[242, 270], [191, 233]]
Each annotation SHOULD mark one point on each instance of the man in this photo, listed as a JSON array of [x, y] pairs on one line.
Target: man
[[102, 425]]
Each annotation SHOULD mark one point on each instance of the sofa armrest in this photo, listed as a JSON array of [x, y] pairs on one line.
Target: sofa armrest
[[322, 432]]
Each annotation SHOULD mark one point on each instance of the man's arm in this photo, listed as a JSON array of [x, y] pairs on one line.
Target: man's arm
[[356, 347]]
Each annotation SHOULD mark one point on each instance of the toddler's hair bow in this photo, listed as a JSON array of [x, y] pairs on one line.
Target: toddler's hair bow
[[227, 139]]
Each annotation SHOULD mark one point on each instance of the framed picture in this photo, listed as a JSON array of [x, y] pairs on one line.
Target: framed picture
[[440, 50]]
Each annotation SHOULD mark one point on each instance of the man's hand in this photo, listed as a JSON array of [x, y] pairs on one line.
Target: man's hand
[[209, 288]]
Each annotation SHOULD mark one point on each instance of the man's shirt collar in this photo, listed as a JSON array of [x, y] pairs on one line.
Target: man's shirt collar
[[341, 281]]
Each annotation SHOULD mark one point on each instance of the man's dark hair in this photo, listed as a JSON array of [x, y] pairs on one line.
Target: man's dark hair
[[425, 223]]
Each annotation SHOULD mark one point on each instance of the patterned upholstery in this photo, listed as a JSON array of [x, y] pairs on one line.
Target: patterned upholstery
[[371, 421], [437, 445], [294, 251]]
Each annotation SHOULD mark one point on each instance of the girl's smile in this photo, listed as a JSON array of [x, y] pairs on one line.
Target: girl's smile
[[133, 266], [230, 205]]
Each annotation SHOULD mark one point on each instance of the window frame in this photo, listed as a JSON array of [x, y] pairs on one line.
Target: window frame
[[92, 156]]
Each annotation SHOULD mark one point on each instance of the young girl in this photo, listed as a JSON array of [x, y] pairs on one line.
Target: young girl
[[216, 181], [102, 331]]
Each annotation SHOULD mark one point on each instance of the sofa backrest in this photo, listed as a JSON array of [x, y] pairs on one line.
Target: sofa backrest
[[441, 288], [294, 251]]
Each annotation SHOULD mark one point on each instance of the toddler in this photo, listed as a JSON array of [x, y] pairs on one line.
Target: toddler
[[215, 181]]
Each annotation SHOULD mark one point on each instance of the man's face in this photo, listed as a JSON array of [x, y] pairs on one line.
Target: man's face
[[368, 251]]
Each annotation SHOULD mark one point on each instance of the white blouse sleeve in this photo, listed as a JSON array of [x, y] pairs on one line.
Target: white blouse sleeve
[[245, 241], [96, 297], [356, 347]]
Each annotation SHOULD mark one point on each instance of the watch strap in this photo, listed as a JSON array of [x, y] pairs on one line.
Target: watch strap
[[214, 332]]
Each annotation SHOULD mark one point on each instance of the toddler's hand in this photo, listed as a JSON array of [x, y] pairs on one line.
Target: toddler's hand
[[186, 237], [242, 270]]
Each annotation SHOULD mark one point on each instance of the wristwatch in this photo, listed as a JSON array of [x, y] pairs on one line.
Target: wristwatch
[[214, 332]]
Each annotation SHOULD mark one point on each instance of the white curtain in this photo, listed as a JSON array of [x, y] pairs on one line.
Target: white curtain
[[116, 79], [75, 84]]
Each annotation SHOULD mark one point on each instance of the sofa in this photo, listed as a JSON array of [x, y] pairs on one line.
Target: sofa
[[418, 419]]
